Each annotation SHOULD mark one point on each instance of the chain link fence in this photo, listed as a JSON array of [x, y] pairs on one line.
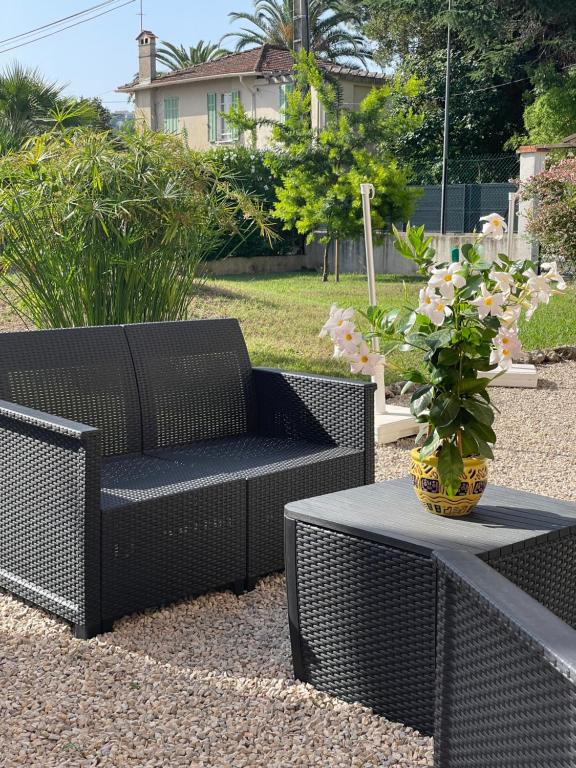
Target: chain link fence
[[477, 185]]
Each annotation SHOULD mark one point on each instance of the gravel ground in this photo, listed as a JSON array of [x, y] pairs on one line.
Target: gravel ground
[[207, 683]]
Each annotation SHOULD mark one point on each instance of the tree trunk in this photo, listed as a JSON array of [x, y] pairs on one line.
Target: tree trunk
[[325, 269], [337, 260]]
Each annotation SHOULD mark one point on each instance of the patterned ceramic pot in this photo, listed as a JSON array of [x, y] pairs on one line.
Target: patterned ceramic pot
[[433, 496]]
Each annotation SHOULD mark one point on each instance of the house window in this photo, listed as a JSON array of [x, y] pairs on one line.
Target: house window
[[219, 104], [283, 92], [171, 114]]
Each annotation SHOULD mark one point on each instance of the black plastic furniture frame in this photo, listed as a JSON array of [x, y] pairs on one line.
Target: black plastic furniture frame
[[506, 690], [144, 464]]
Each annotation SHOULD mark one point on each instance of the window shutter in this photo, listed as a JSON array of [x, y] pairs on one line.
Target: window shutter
[[171, 114], [284, 90], [212, 118], [235, 133]]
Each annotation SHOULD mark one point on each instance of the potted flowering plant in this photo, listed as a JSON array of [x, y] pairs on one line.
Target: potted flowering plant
[[465, 325]]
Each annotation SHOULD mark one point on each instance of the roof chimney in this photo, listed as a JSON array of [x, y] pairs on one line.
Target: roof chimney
[[146, 56]]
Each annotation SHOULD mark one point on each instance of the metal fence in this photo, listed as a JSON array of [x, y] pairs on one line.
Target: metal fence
[[477, 186]]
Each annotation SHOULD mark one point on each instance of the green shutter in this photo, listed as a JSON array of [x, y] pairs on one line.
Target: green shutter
[[284, 90], [212, 118], [235, 102], [171, 114]]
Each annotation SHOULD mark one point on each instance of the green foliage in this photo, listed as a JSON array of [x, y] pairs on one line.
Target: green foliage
[[331, 37], [552, 115], [176, 57], [251, 172], [554, 222], [29, 105], [102, 229], [321, 169], [493, 42]]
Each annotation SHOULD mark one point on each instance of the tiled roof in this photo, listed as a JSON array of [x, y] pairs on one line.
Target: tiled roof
[[265, 60]]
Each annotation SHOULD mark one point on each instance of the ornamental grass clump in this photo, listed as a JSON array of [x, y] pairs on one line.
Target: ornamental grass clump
[[465, 324], [97, 229]]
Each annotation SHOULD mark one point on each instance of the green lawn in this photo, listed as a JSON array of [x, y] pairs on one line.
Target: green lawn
[[281, 316]]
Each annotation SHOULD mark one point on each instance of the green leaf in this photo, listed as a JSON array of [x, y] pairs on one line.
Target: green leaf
[[470, 445], [445, 410], [480, 411], [421, 399], [430, 445], [450, 468], [448, 356], [474, 385], [482, 431]]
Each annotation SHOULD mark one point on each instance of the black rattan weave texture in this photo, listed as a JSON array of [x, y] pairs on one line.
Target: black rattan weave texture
[[367, 616], [83, 374], [162, 485], [506, 670], [195, 381]]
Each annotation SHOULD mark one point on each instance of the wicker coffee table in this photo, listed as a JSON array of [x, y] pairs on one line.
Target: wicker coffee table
[[362, 584]]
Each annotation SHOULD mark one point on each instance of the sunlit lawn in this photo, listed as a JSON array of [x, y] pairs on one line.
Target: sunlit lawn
[[282, 314]]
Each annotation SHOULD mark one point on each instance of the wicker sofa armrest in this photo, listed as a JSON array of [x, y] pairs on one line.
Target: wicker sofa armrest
[[50, 513], [320, 409], [506, 672]]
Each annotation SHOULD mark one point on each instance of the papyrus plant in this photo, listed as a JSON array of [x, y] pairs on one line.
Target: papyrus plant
[[97, 229]]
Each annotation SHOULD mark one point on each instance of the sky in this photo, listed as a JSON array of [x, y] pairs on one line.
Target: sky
[[93, 58]]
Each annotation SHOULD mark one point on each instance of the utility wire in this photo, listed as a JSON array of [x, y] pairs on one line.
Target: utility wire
[[54, 23], [69, 26]]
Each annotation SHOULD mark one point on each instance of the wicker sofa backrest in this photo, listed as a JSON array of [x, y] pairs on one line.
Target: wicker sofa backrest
[[195, 381], [83, 374]]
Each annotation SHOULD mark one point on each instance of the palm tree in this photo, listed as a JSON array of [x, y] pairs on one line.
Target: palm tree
[[272, 22], [26, 101], [178, 57]]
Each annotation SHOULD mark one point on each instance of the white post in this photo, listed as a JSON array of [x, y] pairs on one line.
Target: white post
[[532, 162], [512, 197], [367, 191]]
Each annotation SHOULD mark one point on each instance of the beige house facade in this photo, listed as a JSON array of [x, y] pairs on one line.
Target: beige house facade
[[192, 102]]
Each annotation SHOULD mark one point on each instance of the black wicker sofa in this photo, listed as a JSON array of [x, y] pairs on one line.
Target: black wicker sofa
[[141, 464]]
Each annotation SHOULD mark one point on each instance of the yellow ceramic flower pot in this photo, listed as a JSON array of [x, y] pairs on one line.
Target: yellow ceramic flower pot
[[433, 496]]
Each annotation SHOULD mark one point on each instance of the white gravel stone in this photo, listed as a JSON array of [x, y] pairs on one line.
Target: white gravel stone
[[208, 683]]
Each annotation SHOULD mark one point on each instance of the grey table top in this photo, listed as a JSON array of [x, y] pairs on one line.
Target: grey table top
[[391, 514]]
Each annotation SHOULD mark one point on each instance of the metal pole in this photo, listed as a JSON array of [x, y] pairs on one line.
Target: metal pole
[[367, 191], [443, 207], [301, 25]]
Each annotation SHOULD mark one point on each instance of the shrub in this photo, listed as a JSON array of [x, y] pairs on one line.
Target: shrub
[[250, 171], [101, 229], [554, 221]]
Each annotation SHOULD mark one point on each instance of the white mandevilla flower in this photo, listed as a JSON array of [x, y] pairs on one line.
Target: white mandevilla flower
[[489, 303], [540, 289], [504, 280], [434, 307], [336, 320], [509, 318], [364, 361], [346, 337], [447, 280], [506, 345], [494, 226], [552, 274]]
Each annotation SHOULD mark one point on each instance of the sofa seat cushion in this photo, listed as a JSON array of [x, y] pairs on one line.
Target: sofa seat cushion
[[277, 471], [247, 457], [130, 480]]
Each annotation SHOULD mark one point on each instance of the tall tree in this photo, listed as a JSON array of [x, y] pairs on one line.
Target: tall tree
[[178, 56], [30, 105], [494, 42], [321, 169], [331, 33]]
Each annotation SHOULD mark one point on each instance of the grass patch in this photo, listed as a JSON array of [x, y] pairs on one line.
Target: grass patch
[[281, 316]]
